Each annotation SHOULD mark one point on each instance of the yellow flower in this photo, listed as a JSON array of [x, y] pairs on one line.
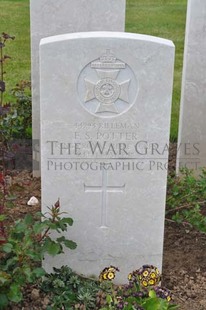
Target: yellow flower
[[110, 275], [148, 274], [144, 283], [153, 275], [145, 273]]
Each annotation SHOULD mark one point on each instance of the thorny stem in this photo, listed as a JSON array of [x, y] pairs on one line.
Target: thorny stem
[[47, 230], [44, 234], [187, 206], [2, 227], [3, 39], [183, 223], [1, 104], [2, 144], [4, 192], [184, 196]]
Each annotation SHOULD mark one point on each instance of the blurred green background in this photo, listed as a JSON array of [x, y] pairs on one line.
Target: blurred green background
[[162, 18]]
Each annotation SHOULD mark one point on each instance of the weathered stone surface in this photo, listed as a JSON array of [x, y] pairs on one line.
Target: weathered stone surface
[[54, 17], [192, 123], [105, 120]]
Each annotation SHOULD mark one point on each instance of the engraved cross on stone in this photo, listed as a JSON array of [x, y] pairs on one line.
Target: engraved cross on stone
[[104, 189]]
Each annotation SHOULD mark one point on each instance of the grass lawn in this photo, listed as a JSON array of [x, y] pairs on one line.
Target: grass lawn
[[14, 20], [165, 19], [162, 18]]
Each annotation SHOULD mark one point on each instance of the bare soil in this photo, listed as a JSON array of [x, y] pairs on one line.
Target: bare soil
[[184, 261]]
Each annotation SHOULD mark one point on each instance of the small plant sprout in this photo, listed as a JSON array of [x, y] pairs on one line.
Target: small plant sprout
[[24, 248]]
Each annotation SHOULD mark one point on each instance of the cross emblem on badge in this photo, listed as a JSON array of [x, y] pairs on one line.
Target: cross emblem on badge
[[107, 90]]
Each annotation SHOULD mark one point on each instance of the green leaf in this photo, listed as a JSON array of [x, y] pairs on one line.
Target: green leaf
[[15, 294], [67, 220], [10, 263], [109, 299], [28, 219], [151, 304], [2, 217], [61, 239], [53, 248], [28, 273], [163, 304], [38, 227], [20, 227], [7, 248], [4, 278], [53, 226], [70, 244], [152, 294], [39, 272], [3, 301]]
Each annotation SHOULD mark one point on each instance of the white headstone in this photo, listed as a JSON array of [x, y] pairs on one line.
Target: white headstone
[[54, 17], [105, 120], [192, 124]]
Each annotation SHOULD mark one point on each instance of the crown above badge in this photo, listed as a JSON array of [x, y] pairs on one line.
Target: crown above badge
[[108, 61]]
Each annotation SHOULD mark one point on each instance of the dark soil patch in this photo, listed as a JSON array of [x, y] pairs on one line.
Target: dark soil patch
[[184, 263], [184, 266]]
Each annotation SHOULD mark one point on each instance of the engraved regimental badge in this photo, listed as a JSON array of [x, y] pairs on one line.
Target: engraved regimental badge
[[107, 86]]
